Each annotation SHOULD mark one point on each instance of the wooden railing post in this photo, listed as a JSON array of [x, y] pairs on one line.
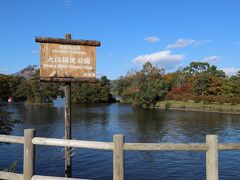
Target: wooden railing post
[[212, 157], [118, 157], [29, 154]]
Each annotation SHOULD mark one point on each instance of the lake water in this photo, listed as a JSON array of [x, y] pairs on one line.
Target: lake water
[[101, 122]]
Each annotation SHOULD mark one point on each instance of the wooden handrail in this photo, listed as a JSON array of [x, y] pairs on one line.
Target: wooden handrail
[[165, 147], [118, 146], [10, 176], [73, 143], [229, 146], [52, 178], [12, 139], [127, 146]]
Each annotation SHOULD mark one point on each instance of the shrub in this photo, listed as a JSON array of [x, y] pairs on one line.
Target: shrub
[[167, 105], [235, 100], [204, 99], [196, 99]]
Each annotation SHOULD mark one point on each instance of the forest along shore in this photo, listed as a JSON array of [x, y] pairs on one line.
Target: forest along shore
[[201, 106]]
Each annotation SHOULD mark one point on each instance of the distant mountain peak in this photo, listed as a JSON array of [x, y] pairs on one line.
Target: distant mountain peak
[[27, 72]]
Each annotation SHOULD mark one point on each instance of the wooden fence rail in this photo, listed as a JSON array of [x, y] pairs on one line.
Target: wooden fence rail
[[118, 146]]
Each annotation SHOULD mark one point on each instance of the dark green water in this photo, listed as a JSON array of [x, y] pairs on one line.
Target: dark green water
[[100, 122]]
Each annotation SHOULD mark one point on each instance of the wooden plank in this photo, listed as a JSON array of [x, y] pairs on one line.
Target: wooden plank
[[10, 176], [212, 157], [29, 154], [67, 41], [164, 147], [11, 139], [53, 178], [118, 157], [73, 143], [229, 146]]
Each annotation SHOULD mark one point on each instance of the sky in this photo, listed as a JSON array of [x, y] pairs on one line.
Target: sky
[[168, 33]]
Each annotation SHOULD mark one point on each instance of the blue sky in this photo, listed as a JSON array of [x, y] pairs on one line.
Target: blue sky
[[169, 33]]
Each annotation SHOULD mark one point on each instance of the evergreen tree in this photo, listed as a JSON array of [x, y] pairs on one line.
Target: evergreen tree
[[99, 92]]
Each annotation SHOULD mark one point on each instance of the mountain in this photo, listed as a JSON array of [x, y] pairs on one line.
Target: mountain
[[26, 72]]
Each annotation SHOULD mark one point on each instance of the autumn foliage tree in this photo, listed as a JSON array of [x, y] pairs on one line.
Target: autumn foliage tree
[[197, 82]]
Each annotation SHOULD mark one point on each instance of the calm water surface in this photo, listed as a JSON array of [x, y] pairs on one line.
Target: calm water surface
[[100, 122]]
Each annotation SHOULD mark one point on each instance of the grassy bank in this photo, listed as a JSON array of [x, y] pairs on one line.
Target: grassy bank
[[201, 106]]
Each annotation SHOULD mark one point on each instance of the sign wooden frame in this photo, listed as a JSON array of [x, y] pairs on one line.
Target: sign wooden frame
[[85, 44]]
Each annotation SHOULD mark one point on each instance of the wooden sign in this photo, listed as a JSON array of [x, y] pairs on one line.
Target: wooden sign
[[67, 60]]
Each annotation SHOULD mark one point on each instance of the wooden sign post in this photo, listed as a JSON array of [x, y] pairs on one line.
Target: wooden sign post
[[67, 60], [68, 124]]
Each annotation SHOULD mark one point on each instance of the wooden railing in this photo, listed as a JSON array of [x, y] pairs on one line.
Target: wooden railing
[[118, 146]]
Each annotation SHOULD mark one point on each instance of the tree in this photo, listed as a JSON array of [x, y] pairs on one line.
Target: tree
[[143, 88], [196, 67], [38, 92], [206, 80], [6, 123], [215, 72], [99, 92], [152, 87], [235, 80], [6, 126], [4, 87], [202, 84]]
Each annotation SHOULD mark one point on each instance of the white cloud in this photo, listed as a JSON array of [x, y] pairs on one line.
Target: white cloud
[[67, 3], [152, 39], [164, 59], [230, 71], [211, 59], [181, 43]]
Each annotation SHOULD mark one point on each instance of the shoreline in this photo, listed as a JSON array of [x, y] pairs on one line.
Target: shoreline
[[198, 107], [199, 110]]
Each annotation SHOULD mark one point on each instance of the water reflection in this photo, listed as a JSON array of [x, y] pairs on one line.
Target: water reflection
[[100, 122]]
